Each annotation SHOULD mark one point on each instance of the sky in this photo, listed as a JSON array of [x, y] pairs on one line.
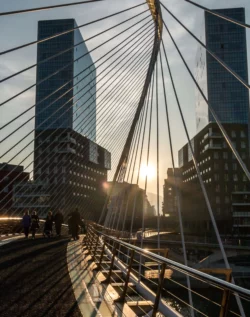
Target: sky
[[18, 29]]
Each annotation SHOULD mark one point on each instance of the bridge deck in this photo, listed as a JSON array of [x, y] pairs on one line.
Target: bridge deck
[[34, 279]]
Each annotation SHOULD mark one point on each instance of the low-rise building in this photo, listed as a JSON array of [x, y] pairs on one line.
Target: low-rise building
[[74, 169], [128, 202], [10, 175], [241, 214], [33, 196], [221, 174]]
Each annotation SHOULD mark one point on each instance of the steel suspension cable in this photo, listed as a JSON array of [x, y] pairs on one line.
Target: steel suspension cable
[[32, 161], [71, 105], [62, 68], [139, 133], [177, 192], [139, 166], [68, 31], [105, 100], [69, 49], [85, 119], [147, 161], [223, 131], [200, 180], [71, 80], [85, 152], [219, 15], [219, 60], [72, 98], [47, 147], [157, 159]]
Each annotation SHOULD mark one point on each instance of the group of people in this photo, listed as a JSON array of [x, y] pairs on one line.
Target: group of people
[[31, 224]]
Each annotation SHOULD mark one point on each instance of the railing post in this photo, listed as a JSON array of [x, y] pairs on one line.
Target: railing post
[[101, 256], [112, 263], [225, 298], [97, 239], [158, 293], [122, 297]]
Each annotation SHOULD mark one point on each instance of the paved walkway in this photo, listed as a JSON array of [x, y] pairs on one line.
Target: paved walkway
[[34, 279]]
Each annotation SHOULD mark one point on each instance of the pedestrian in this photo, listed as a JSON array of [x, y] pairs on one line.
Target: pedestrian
[[58, 222], [75, 223], [48, 226], [83, 227], [26, 223], [34, 223]]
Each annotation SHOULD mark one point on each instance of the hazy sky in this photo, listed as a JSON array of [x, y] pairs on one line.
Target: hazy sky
[[18, 29]]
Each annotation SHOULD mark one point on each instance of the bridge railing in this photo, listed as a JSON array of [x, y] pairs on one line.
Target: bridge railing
[[13, 225], [159, 280]]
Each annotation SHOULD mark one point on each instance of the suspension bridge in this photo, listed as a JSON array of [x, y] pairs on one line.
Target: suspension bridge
[[81, 119]]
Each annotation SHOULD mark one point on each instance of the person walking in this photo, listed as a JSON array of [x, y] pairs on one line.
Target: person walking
[[34, 223], [48, 226], [75, 223], [26, 223], [58, 222]]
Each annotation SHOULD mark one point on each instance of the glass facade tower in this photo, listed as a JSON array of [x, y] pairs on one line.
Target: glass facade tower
[[228, 97], [74, 105]]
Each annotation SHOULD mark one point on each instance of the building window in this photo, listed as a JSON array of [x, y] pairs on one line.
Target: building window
[[235, 166], [243, 144], [216, 177], [218, 210], [217, 199], [226, 166], [236, 187], [244, 178], [233, 134], [226, 178], [216, 166], [243, 155], [216, 155], [227, 200], [242, 134], [225, 155], [217, 188], [235, 177]]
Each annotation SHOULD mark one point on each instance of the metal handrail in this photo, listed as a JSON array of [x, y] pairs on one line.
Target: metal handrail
[[185, 269]]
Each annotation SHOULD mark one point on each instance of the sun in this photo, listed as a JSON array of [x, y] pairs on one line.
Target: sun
[[148, 171]]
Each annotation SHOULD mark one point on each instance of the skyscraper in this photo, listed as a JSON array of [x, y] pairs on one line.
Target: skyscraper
[[68, 164], [227, 96], [67, 107]]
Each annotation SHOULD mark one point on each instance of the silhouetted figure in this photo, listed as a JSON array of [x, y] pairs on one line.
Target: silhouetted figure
[[34, 224], [75, 222], [48, 226], [83, 226], [26, 223], [58, 222]]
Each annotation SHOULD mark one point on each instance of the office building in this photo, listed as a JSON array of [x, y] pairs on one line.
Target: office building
[[33, 196], [226, 95], [10, 175], [74, 169], [171, 186], [74, 105], [241, 214], [128, 201], [68, 164], [221, 174]]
